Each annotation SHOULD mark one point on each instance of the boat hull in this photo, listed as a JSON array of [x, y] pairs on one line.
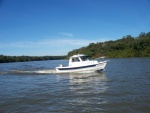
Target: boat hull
[[85, 68]]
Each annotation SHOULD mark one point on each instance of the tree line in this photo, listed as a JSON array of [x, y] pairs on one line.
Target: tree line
[[6, 59], [127, 46]]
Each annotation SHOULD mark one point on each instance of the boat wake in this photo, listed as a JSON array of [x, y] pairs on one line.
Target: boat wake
[[37, 72], [28, 72]]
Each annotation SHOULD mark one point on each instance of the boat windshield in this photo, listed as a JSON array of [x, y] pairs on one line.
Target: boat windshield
[[84, 58]]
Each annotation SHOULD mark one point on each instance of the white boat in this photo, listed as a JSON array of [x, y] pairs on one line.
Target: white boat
[[81, 63]]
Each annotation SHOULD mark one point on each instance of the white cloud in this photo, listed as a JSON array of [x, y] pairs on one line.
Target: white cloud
[[55, 42], [66, 34], [53, 46]]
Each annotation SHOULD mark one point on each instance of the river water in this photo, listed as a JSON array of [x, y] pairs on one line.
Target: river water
[[124, 87]]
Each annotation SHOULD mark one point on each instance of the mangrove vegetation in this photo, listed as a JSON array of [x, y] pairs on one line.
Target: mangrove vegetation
[[127, 46], [6, 59]]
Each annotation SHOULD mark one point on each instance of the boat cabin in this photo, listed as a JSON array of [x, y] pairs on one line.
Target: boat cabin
[[80, 60]]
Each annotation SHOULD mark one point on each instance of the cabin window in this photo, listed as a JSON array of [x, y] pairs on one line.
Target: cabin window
[[75, 59], [84, 58]]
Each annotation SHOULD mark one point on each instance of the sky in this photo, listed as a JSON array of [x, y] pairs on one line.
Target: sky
[[55, 27]]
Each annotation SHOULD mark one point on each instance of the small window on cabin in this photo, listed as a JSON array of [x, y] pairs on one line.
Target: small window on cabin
[[76, 59]]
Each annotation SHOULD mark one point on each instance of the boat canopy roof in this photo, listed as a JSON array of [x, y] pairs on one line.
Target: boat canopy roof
[[79, 55]]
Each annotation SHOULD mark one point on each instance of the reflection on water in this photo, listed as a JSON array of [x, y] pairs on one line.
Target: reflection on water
[[88, 77], [89, 85]]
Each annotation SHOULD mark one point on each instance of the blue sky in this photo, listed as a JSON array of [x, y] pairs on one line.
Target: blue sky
[[55, 27]]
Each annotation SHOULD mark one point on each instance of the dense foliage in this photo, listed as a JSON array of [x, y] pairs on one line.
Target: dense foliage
[[5, 59], [128, 46]]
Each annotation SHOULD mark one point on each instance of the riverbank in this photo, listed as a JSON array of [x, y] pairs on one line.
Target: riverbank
[[128, 46], [7, 59]]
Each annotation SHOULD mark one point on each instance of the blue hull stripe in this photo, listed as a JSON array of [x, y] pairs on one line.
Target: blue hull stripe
[[73, 68]]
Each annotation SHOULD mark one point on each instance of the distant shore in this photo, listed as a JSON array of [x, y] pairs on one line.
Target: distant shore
[[7, 59], [125, 47]]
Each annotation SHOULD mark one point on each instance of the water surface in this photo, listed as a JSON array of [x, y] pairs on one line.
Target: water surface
[[122, 87]]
